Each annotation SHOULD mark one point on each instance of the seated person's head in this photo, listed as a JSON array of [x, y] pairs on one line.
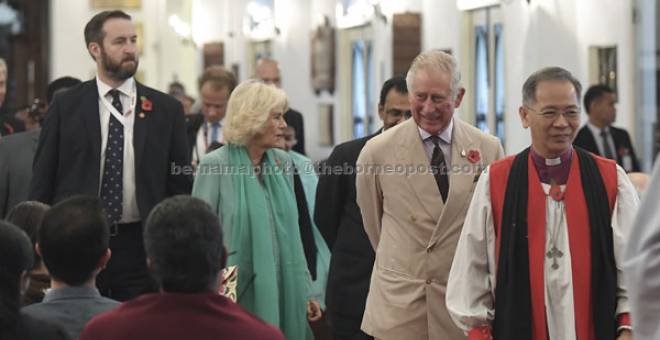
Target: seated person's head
[[183, 242], [28, 216], [15, 261], [73, 240]]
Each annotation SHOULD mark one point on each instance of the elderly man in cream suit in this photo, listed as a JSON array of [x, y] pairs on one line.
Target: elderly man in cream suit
[[414, 185]]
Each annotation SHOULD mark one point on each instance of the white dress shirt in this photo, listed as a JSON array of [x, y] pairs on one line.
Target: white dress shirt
[[204, 140], [128, 98], [445, 142]]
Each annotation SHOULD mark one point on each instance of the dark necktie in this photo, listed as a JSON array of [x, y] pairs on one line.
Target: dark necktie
[[607, 149], [439, 167], [112, 191]]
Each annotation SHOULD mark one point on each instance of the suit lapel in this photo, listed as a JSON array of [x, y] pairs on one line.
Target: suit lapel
[[411, 151], [139, 126], [92, 122], [461, 179]]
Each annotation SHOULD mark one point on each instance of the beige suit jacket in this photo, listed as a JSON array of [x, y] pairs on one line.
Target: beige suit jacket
[[412, 231]]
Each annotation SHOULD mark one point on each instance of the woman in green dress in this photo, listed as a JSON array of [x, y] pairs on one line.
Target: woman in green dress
[[250, 185]]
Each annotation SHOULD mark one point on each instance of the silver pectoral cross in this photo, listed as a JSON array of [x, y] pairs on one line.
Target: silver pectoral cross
[[553, 254]]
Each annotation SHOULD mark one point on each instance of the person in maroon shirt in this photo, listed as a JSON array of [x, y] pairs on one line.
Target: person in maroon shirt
[[185, 253]]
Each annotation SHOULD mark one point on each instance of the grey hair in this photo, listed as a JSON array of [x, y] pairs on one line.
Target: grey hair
[[435, 60], [548, 74]]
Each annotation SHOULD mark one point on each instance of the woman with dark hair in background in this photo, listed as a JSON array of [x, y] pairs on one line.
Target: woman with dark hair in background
[[28, 216], [15, 261]]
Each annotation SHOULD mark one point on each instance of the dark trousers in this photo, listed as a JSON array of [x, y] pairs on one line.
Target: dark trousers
[[346, 328], [126, 275]]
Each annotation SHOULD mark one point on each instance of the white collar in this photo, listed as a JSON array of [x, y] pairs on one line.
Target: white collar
[[209, 124], [595, 130], [127, 87], [445, 135]]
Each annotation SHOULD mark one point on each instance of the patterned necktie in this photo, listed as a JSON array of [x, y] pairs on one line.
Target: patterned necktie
[[112, 191], [439, 167], [607, 149]]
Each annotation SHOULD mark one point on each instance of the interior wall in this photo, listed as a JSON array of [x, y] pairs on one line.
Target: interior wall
[[165, 54], [559, 33], [536, 34], [647, 62]]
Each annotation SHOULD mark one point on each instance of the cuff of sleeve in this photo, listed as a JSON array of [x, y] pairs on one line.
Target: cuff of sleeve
[[480, 333], [623, 319], [623, 328]]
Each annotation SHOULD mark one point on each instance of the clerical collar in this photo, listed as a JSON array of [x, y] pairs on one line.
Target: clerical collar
[[553, 170]]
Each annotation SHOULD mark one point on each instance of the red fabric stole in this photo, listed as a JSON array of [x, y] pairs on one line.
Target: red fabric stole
[[579, 235]]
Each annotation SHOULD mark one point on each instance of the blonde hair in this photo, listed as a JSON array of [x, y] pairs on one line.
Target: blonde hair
[[249, 108], [435, 60], [3, 66]]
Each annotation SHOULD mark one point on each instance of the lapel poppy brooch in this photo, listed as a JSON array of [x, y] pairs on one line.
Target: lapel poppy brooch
[[147, 105], [473, 156]]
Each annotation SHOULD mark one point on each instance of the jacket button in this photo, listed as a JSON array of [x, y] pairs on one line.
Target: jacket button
[[413, 218], [429, 249], [428, 281]]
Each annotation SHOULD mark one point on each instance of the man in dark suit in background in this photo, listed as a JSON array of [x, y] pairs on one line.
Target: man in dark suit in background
[[117, 139], [268, 70], [599, 136], [338, 217], [17, 152], [215, 86]]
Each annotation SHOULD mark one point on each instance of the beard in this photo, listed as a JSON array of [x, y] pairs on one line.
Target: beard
[[119, 70]]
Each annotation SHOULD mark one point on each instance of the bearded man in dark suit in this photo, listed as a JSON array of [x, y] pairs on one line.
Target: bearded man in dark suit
[[116, 138]]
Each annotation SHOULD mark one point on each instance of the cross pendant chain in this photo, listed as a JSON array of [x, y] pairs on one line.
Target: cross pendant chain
[[553, 254]]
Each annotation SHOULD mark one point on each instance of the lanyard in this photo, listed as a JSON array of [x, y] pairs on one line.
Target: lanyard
[[113, 110]]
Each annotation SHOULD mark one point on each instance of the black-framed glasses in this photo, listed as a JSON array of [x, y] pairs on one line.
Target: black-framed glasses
[[553, 114]]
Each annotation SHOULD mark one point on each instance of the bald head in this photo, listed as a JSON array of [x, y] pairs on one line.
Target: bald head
[[268, 71]]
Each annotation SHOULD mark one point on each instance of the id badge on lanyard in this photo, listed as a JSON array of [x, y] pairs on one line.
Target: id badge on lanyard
[[113, 110]]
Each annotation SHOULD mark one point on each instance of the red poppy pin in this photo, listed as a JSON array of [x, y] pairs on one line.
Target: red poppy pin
[[473, 156], [147, 105]]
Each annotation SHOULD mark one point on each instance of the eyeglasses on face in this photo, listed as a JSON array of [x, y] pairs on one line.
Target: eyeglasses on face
[[552, 114]]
